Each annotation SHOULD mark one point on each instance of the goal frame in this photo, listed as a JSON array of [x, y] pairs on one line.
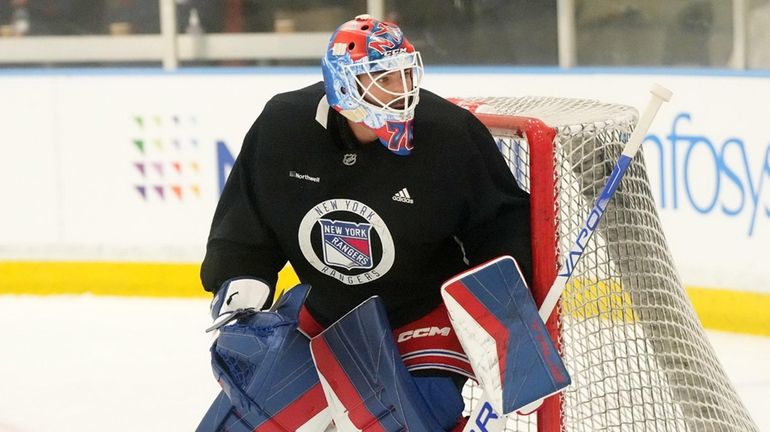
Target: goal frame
[[543, 227]]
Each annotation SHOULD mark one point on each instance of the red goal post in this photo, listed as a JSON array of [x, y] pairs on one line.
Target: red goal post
[[637, 354]]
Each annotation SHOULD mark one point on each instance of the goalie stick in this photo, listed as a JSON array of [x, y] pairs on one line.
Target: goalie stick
[[660, 94]]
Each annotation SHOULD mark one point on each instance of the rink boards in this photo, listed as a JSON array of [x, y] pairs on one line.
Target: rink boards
[[128, 165]]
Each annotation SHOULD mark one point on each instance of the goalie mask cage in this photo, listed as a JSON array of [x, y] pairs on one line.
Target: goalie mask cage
[[637, 354]]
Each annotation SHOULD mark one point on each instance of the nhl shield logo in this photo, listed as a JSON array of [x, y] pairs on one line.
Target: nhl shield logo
[[346, 244]]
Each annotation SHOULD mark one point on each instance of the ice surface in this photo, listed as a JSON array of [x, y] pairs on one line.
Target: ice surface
[[84, 363]]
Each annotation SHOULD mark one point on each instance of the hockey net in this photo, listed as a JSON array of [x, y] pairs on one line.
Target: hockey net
[[637, 355]]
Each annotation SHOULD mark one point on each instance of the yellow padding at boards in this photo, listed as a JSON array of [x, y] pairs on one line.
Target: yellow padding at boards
[[718, 309], [110, 278], [737, 311]]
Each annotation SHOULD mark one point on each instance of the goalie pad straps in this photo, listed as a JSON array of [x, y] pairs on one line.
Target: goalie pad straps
[[264, 366], [366, 384], [498, 325]]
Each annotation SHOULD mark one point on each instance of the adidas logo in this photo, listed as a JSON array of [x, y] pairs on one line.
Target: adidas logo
[[403, 196]]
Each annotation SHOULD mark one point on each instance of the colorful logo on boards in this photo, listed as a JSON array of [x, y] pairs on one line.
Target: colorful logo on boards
[[167, 158]]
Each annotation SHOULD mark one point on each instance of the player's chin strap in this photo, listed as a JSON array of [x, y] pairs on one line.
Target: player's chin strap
[[507, 344], [365, 382]]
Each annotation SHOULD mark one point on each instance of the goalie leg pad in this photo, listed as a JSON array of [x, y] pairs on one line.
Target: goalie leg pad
[[443, 397], [264, 366], [222, 416], [497, 322], [366, 384]]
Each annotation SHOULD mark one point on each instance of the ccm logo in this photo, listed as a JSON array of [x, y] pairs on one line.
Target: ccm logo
[[394, 52], [424, 332]]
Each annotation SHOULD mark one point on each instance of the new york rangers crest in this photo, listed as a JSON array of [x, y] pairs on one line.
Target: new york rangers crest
[[346, 244], [346, 240]]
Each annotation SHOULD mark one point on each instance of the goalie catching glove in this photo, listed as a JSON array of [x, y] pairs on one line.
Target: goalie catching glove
[[264, 366]]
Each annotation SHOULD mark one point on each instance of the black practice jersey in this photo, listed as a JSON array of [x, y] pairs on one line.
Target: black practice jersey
[[356, 220]]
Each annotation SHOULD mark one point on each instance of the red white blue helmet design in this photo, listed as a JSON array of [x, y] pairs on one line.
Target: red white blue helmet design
[[366, 46]]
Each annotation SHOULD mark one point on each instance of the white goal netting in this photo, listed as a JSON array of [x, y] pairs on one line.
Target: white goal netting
[[637, 354]]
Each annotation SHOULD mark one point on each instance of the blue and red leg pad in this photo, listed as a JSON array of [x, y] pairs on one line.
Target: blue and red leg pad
[[365, 381]]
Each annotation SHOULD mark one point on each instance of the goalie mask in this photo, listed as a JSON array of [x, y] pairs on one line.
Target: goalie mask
[[372, 76]]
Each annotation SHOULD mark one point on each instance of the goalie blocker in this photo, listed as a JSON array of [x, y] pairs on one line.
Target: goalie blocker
[[497, 323]]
